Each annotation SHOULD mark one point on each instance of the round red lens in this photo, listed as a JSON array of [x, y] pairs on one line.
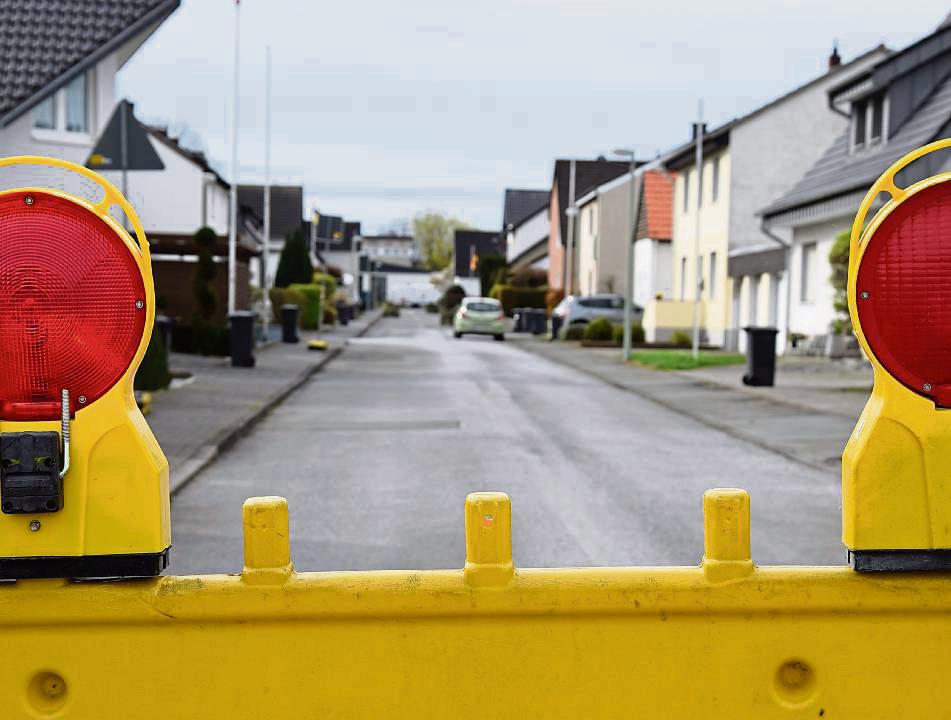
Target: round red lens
[[72, 306], [903, 293]]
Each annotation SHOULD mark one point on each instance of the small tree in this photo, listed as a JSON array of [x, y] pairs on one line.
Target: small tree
[[294, 265], [434, 233], [153, 372], [839, 279], [491, 267], [204, 291]]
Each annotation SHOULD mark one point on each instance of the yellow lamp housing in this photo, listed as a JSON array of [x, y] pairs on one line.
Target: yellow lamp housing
[[83, 483], [896, 467]]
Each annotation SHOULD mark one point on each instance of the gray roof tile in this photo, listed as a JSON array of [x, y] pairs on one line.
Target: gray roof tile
[[521, 204], [42, 40]]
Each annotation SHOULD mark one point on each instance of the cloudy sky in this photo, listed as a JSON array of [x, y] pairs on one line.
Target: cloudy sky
[[384, 109]]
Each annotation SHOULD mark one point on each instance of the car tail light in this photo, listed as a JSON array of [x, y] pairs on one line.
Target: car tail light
[[903, 293], [72, 305], [501, 315], [464, 313]]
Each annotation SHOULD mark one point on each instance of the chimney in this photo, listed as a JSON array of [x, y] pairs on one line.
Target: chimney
[[835, 59]]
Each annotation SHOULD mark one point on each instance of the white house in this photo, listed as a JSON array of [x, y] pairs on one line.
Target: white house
[[899, 103], [525, 223], [56, 97]]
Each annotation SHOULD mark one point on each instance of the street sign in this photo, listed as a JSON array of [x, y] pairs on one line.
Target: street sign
[[83, 484], [896, 468], [124, 138]]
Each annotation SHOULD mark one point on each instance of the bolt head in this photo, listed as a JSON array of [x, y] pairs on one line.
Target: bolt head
[[865, 294], [82, 399], [35, 525], [927, 387], [140, 304], [28, 199]]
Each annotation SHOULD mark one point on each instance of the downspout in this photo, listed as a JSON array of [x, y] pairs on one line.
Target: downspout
[[764, 227]]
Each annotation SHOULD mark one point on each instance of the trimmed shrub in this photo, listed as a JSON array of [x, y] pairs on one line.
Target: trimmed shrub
[[529, 277], [153, 372], [328, 284], [432, 308], [452, 298], [490, 267], [513, 297], [681, 339], [310, 315], [294, 264], [637, 334], [391, 310], [329, 315], [600, 330], [285, 296], [575, 331]]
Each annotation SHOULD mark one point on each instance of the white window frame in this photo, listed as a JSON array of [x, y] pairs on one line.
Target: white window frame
[[715, 180], [809, 254], [712, 280], [60, 134]]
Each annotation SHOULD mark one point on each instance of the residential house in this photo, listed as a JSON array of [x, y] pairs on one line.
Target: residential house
[[391, 248], [653, 259], [525, 225], [469, 247], [172, 204], [900, 103], [747, 162], [287, 216], [59, 66], [581, 176], [337, 244]]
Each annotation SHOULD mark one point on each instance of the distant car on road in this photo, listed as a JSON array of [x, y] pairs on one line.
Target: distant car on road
[[585, 308], [479, 316]]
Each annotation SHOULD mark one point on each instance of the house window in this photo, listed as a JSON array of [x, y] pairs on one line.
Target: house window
[[808, 275], [44, 114], [713, 276], [686, 189], [683, 278], [69, 109], [77, 119], [868, 121], [715, 182]]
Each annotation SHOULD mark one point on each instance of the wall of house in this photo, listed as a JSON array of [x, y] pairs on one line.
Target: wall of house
[[714, 237], [349, 264], [615, 221], [175, 283], [556, 252], [410, 288], [772, 150], [813, 317], [653, 270], [586, 254], [527, 234]]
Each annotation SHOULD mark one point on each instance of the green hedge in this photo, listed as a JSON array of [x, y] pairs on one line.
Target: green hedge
[[310, 311], [513, 297], [285, 296], [153, 372], [575, 331], [599, 330], [637, 334]]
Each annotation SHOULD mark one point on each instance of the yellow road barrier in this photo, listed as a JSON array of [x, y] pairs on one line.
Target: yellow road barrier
[[722, 640]]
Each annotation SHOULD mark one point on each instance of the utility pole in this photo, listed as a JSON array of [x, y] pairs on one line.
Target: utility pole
[[233, 220], [570, 240], [629, 250], [265, 282], [696, 237]]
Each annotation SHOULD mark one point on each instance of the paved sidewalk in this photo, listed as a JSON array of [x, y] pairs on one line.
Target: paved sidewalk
[[197, 419], [807, 417]]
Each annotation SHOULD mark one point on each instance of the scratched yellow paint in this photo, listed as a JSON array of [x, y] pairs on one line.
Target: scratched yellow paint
[[483, 642]]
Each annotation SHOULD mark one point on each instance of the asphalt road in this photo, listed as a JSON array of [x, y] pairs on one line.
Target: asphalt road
[[377, 453]]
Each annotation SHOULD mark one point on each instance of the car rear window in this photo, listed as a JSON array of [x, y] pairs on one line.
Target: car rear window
[[483, 307]]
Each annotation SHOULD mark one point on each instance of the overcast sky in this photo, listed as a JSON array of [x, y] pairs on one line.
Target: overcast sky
[[385, 109]]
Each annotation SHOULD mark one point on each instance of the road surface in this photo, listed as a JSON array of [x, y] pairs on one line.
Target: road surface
[[377, 453]]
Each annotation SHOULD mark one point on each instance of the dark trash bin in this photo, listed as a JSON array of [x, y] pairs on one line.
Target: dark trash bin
[[536, 322], [760, 356], [556, 322], [344, 313], [289, 317], [519, 318], [241, 334]]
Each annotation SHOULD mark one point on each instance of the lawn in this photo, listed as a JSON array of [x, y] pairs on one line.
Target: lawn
[[684, 360]]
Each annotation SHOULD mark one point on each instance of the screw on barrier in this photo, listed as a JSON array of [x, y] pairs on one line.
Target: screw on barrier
[[488, 540], [35, 525], [28, 199], [726, 534], [267, 546]]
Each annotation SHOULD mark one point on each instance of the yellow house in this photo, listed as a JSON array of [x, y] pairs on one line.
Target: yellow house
[[665, 316]]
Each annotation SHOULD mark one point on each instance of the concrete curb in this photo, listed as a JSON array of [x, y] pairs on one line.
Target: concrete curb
[[673, 407], [207, 454]]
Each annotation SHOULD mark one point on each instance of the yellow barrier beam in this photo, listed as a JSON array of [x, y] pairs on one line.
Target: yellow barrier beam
[[724, 639]]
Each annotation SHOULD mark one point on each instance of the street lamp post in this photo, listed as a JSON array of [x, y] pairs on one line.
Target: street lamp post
[[233, 224], [696, 236], [629, 250]]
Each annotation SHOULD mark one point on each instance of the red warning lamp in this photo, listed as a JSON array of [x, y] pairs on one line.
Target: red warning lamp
[[903, 293], [74, 305]]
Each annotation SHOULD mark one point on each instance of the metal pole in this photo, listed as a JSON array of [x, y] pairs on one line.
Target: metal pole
[[124, 142], [570, 240], [629, 267], [696, 237], [233, 220], [266, 283]]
